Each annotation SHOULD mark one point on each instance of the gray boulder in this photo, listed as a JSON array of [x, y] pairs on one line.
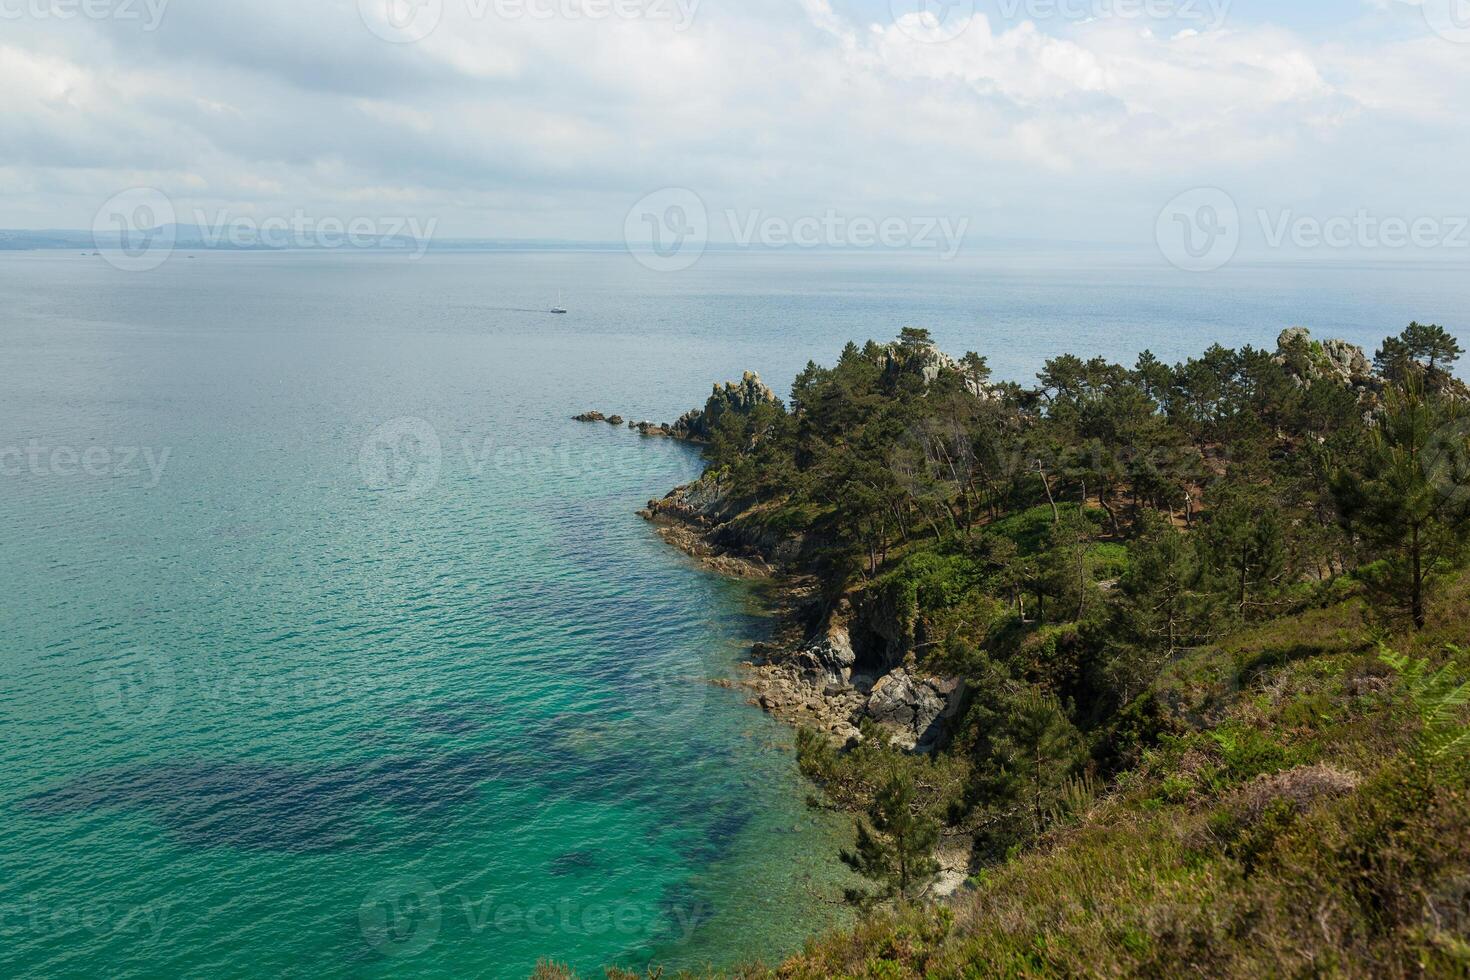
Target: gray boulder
[[828, 663], [913, 709], [1333, 359]]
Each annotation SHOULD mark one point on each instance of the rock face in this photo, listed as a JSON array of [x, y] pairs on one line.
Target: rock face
[[928, 362], [828, 663], [912, 708], [1311, 360], [741, 397]]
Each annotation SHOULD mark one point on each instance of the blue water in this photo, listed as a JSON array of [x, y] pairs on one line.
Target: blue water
[[332, 648]]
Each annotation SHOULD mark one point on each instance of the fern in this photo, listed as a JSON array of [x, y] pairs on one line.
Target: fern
[[1076, 797], [1439, 698]]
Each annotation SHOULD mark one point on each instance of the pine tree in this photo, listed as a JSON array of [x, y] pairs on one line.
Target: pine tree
[[895, 843], [1409, 498]]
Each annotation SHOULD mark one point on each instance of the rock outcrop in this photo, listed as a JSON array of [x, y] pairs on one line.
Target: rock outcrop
[[928, 362], [698, 425], [913, 708], [1337, 360], [741, 397], [828, 663]]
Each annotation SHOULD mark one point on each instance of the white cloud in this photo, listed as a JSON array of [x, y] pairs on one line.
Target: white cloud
[[530, 127]]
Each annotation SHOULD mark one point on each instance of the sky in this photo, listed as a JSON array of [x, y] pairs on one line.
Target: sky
[[1058, 120]]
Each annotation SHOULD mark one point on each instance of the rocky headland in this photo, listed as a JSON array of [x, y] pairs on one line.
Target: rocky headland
[[837, 661], [832, 663]]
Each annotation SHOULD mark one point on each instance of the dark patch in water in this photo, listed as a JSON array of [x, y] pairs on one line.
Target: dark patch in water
[[455, 717], [259, 806], [572, 863], [684, 910]]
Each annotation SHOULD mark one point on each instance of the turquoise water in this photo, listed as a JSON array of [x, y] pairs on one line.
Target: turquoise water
[[331, 648]]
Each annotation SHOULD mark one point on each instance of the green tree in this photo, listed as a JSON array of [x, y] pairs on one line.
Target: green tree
[[895, 842], [1161, 606], [1421, 349], [1244, 544], [1408, 497]]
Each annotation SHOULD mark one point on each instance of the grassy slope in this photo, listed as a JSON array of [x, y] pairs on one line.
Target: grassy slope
[[1287, 829]]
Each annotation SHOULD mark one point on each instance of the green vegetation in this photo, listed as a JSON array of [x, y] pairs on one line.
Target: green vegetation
[[1172, 595]]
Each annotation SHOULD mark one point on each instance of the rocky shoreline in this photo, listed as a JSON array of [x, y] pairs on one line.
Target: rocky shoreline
[[808, 681], [812, 674], [809, 675]]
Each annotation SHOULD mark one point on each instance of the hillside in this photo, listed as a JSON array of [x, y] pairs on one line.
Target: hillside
[[1164, 653]]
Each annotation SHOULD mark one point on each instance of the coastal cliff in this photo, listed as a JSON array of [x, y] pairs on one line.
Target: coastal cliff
[[1138, 671]]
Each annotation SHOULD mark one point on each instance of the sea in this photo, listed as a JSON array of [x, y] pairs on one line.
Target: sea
[[331, 647]]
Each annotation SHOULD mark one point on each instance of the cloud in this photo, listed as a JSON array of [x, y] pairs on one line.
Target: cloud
[[527, 126]]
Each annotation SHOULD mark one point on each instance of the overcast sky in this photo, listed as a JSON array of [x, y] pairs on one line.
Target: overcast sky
[[1056, 119]]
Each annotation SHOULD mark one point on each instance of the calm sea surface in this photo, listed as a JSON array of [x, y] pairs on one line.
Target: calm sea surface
[[329, 647]]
